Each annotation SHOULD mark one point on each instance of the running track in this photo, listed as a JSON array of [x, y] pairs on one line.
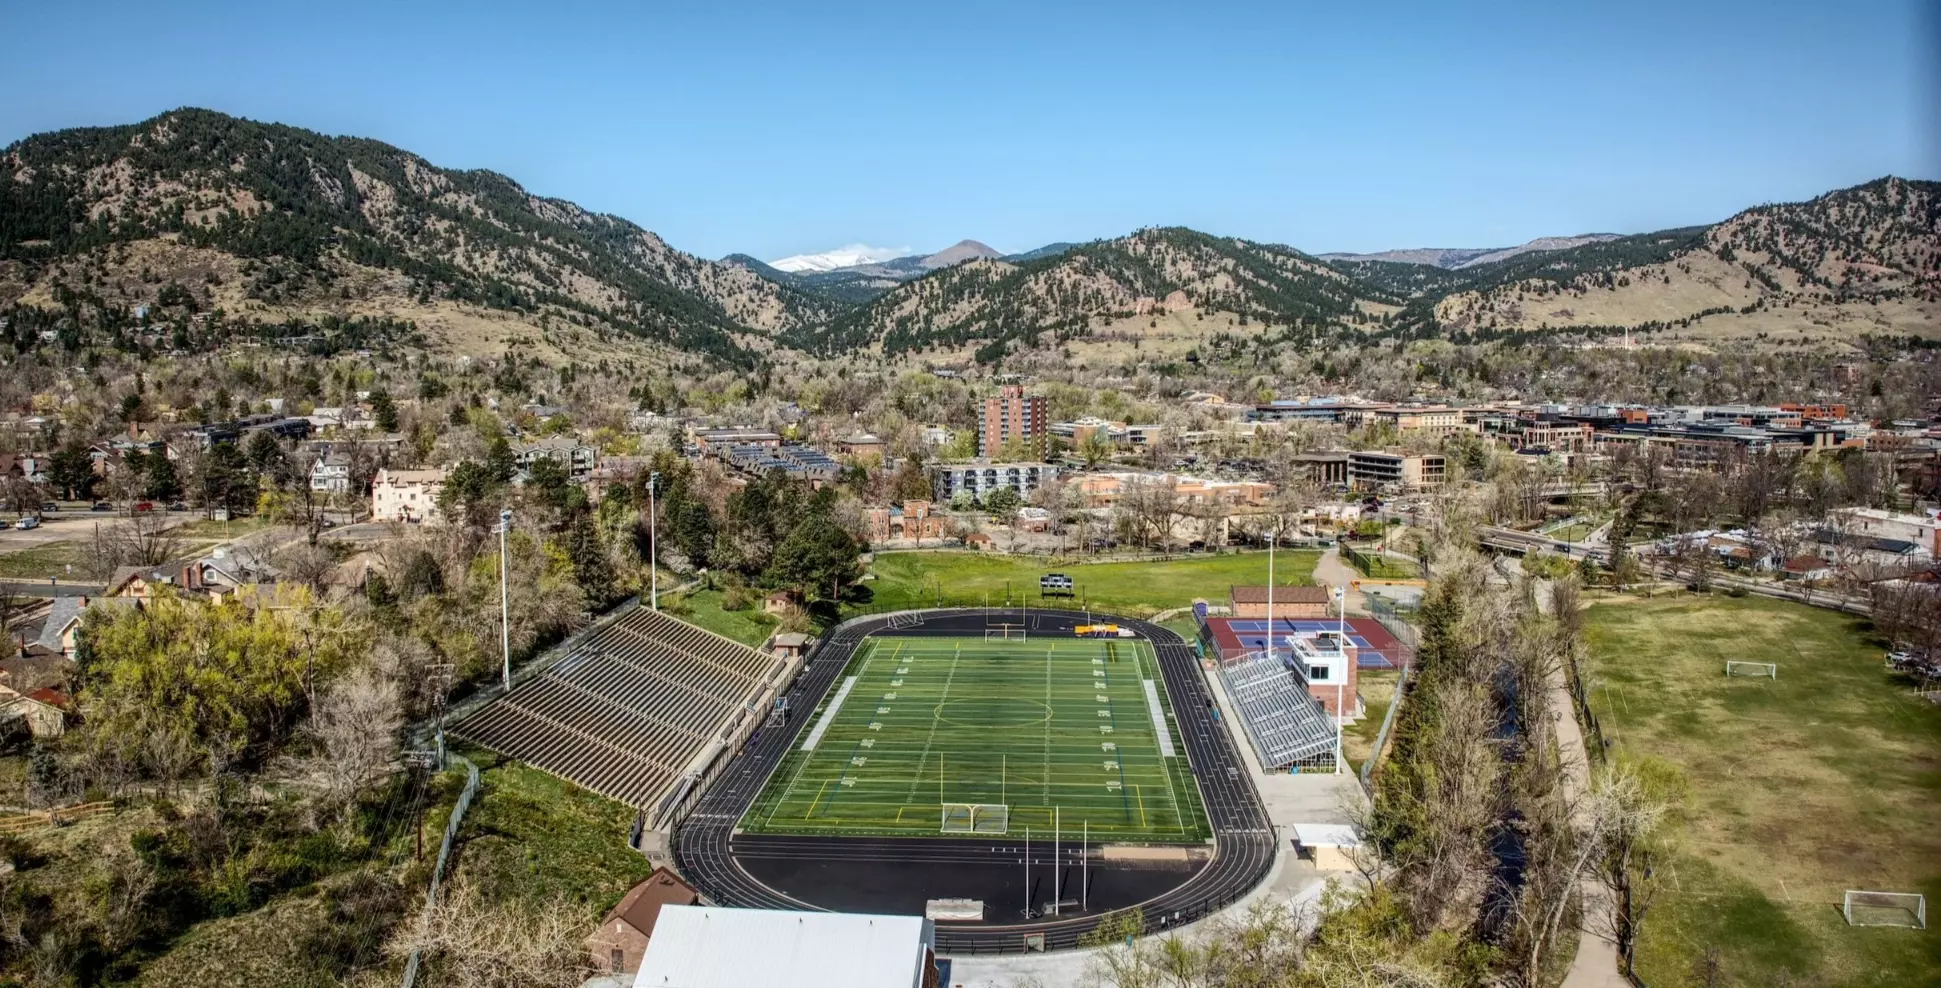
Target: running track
[[706, 847]]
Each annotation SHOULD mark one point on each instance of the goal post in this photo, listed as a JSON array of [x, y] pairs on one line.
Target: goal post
[[976, 818], [1768, 670], [1862, 907], [1006, 631]]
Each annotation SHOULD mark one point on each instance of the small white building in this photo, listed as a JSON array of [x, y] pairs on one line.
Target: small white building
[[711, 947], [406, 495]]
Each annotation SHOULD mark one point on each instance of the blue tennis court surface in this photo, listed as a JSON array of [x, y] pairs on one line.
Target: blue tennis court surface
[[1375, 648]]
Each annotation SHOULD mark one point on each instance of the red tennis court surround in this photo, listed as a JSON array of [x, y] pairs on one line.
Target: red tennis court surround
[[1375, 648]]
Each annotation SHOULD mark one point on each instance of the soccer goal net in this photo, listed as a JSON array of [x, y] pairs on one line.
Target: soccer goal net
[[976, 818], [1864, 908], [1768, 670], [1005, 631]]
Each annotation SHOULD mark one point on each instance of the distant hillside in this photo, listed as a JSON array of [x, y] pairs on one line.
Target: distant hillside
[[994, 303], [287, 223], [1855, 261], [1456, 258]]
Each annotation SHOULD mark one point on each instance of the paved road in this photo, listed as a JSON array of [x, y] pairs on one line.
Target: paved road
[[705, 846]]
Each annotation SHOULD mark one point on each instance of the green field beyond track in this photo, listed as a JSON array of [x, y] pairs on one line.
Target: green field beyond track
[[1033, 724]]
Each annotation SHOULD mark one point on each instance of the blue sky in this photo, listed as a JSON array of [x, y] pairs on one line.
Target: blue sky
[[777, 129]]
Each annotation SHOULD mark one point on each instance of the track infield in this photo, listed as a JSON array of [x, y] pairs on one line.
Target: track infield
[[1035, 725]]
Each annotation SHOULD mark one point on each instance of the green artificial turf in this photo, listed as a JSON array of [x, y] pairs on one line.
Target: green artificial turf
[[1038, 725]]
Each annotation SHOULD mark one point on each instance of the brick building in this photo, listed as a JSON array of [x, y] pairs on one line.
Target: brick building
[[617, 946], [1289, 602], [914, 520], [1013, 415]]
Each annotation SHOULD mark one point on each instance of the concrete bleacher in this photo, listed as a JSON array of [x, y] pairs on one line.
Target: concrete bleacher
[[628, 712]]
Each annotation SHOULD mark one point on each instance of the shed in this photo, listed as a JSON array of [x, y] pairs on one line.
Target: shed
[[620, 942], [1328, 845]]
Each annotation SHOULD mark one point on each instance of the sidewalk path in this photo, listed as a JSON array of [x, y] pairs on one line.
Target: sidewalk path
[[1596, 964], [1330, 570]]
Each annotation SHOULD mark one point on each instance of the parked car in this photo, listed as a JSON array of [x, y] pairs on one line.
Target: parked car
[[141, 506], [28, 522], [5, 524], [102, 506], [49, 506], [178, 506]]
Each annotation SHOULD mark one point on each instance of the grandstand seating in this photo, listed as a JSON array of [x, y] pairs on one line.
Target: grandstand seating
[[1286, 724], [629, 709]]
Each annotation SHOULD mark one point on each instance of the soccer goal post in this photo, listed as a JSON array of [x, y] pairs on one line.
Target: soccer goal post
[[1866, 908], [1769, 670], [976, 818], [1005, 631]]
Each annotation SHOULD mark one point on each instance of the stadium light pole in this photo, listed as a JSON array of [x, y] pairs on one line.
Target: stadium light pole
[[505, 604], [653, 544]]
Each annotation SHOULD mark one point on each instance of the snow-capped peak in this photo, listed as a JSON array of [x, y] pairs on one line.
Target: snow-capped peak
[[841, 257]]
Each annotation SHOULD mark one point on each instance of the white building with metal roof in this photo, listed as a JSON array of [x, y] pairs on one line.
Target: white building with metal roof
[[713, 947]]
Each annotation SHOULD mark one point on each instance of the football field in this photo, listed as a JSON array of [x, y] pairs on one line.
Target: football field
[[1004, 732]]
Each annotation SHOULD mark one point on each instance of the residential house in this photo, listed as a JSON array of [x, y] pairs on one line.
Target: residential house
[[860, 444], [60, 633], [42, 713], [330, 474], [912, 520], [577, 458], [406, 495], [620, 942]]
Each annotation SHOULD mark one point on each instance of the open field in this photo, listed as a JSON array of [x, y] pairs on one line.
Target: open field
[[49, 559], [1825, 779], [1377, 690], [1135, 589], [1031, 724]]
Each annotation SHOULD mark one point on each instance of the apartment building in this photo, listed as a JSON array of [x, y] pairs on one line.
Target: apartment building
[[1374, 469], [1013, 415], [406, 495], [980, 477]]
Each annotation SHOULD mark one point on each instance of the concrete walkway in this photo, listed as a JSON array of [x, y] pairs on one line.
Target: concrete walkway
[[1596, 964], [1330, 570]]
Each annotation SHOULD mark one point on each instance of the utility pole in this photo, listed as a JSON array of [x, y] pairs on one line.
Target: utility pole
[[505, 602], [653, 544]]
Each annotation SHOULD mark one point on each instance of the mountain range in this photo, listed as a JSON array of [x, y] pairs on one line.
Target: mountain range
[[194, 212], [1457, 258]]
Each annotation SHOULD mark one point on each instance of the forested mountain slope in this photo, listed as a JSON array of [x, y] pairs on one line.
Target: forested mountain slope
[[287, 222]]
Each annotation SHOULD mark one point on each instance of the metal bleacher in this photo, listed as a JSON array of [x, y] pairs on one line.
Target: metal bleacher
[[628, 711], [1286, 724]]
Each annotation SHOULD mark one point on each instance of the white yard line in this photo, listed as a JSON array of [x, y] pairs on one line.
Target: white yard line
[[930, 739]]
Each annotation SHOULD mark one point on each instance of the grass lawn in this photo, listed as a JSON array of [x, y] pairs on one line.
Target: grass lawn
[[209, 528], [703, 607], [49, 559], [1377, 689], [1134, 589], [1032, 725], [1826, 779], [536, 837]]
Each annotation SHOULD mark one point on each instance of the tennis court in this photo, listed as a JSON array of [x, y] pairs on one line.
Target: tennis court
[[1375, 647], [930, 736]]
